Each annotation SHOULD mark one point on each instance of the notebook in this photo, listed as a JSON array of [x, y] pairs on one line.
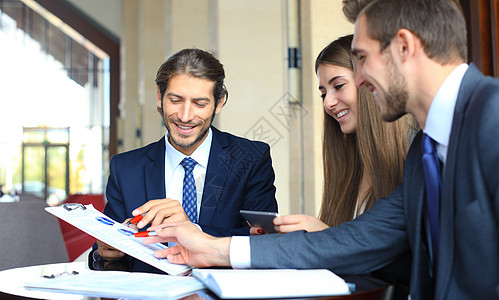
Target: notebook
[[275, 283]]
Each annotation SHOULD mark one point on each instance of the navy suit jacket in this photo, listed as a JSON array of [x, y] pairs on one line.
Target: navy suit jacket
[[468, 265], [239, 176]]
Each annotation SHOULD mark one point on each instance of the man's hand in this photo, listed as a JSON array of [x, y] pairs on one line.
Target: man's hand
[[159, 211], [108, 253], [291, 223], [193, 247]]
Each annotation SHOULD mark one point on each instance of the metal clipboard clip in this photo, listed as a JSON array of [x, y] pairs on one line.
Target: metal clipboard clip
[[61, 274], [74, 206]]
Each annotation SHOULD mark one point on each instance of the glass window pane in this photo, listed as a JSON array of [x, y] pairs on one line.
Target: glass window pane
[[57, 44], [58, 135], [56, 173], [38, 29], [14, 11], [33, 135], [71, 93], [79, 64], [34, 174]]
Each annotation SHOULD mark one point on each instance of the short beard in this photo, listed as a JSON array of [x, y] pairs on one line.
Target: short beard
[[397, 95], [187, 146], [199, 138]]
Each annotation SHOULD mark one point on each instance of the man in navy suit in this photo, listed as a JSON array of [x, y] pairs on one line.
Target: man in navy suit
[[412, 56], [229, 173]]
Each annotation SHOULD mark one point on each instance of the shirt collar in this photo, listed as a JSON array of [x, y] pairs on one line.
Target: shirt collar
[[439, 120], [200, 155]]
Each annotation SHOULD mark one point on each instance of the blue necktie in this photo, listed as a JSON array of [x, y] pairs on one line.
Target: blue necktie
[[189, 198], [431, 167]]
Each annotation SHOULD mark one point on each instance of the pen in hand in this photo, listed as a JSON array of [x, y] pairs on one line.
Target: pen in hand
[[152, 232], [145, 233], [134, 220]]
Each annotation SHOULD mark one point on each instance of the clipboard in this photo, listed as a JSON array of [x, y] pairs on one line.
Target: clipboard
[[115, 234]]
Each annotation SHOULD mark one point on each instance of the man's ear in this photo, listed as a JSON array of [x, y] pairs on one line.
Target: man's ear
[[406, 44], [220, 104], [158, 96]]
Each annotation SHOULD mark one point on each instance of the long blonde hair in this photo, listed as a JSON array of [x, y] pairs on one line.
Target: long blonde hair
[[377, 147]]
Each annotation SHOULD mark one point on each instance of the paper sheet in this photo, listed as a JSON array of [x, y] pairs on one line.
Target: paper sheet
[[118, 284], [116, 235]]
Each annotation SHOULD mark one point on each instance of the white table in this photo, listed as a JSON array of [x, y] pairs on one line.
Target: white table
[[12, 283], [12, 280]]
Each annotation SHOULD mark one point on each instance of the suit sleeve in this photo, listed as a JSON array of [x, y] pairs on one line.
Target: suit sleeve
[[255, 190], [488, 149], [367, 243], [486, 187], [474, 271]]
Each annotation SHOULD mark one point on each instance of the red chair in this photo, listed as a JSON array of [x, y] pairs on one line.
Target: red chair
[[77, 241]]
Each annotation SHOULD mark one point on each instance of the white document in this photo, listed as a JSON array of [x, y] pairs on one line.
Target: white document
[[117, 284], [275, 283], [116, 235]]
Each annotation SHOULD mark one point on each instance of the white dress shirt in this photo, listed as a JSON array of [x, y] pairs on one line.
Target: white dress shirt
[[174, 172], [439, 120], [438, 127]]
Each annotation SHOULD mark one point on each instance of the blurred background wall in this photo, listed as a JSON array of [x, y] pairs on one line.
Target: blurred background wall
[[268, 101]]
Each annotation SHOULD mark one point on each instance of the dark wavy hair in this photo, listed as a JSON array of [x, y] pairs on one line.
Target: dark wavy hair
[[197, 63]]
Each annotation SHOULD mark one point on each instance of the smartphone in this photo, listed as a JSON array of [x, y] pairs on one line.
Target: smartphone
[[261, 219]]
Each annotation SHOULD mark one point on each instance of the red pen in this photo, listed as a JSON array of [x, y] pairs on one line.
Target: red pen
[[134, 220], [145, 233]]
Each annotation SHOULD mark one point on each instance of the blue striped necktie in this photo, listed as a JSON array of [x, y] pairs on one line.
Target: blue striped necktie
[[189, 198], [433, 182]]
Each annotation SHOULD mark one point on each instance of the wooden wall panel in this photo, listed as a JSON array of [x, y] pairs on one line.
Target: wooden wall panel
[[482, 25]]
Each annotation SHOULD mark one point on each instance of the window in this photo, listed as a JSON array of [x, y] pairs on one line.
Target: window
[[55, 116]]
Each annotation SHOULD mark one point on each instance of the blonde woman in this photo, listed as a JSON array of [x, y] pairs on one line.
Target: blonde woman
[[363, 156]]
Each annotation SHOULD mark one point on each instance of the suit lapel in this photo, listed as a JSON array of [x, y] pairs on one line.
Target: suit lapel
[[154, 171], [446, 239], [216, 175]]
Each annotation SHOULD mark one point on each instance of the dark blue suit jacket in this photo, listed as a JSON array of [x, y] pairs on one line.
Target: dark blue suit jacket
[[468, 265], [239, 176]]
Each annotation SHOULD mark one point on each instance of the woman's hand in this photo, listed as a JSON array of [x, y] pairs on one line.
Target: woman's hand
[[255, 230]]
